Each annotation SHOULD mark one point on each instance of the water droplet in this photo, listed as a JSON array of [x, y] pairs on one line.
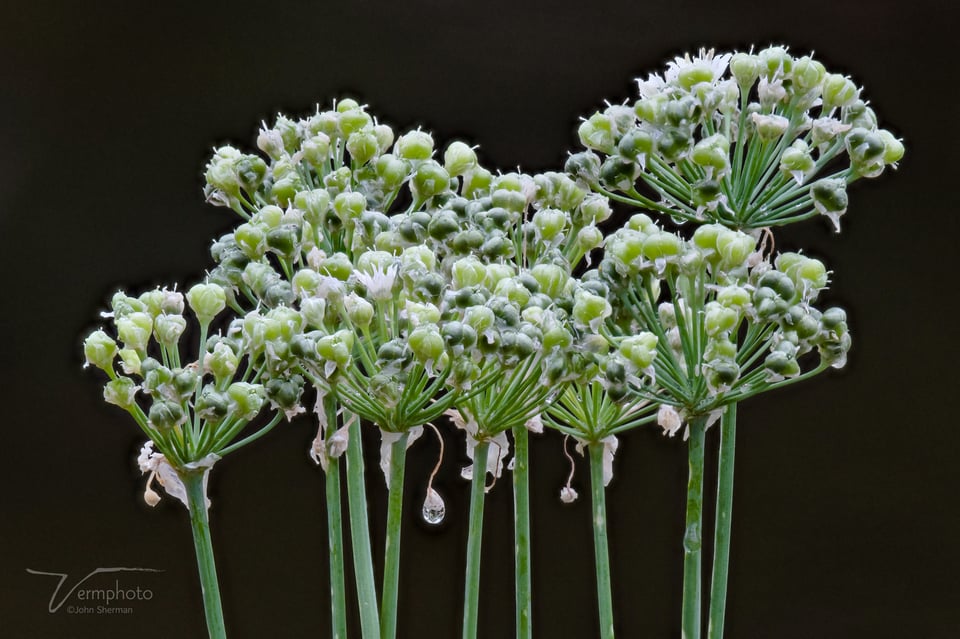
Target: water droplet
[[433, 508]]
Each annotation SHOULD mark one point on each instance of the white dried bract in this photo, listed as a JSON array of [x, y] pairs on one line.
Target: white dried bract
[[151, 461]]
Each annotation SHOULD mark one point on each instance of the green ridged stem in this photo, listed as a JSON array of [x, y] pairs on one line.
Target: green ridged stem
[[203, 547], [692, 537], [600, 548], [721, 539], [521, 518], [338, 599], [391, 566], [471, 587], [360, 534]]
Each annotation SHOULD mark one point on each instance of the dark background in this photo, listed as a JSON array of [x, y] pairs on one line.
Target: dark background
[[846, 517]]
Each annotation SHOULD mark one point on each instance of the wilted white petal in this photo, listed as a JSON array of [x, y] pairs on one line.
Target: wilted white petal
[[669, 420]]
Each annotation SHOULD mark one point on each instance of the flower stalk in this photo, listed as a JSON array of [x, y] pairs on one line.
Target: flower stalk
[[471, 589], [724, 517], [600, 549], [521, 529], [203, 547], [360, 535], [692, 538], [391, 568]]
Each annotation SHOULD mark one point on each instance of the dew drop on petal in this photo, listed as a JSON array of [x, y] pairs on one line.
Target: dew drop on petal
[[433, 508]]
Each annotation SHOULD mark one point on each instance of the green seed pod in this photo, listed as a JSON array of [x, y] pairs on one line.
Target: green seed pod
[[769, 127], [467, 271], [745, 68], [165, 414], [415, 145], [735, 247], [359, 311], [222, 362], [719, 319], [212, 405], [121, 392], [392, 171], [99, 349], [550, 224], [362, 146], [589, 238], [775, 61], [476, 181], [349, 205], [246, 400], [169, 328], [838, 91], [459, 158], [636, 144], [892, 147], [337, 265], [829, 196], [618, 173], [598, 133], [834, 318], [584, 166], [640, 349], [429, 180], [285, 393], [590, 310], [781, 364], [713, 151], [661, 245], [352, 120], [206, 301], [316, 150], [134, 330], [426, 342], [551, 279]]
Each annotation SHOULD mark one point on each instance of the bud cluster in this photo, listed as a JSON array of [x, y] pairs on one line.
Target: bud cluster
[[746, 140]]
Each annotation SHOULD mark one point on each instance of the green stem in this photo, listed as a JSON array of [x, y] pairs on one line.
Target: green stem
[[600, 549], [521, 518], [360, 535], [721, 539], [203, 547], [692, 533], [391, 567], [471, 587], [338, 599]]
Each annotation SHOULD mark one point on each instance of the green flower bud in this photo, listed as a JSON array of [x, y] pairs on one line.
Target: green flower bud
[[838, 91], [719, 319], [429, 180], [169, 328], [735, 247], [316, 150], [834, 318], [337, 265], [152, 301], [590, 310], [550, 224], [479, 318], [598, 133], [769, 127], [206, 301], [212, 405], [269, 216], [476, 181], [660, 245], [384, 135], [640, 349], [130, 361], [589, 238], [251, 240], [349, 205], [185, 382], [808, 75], [552, 279], [346, 104], [618, 173], [121, 392], [165, 414], [892, 147], [392, 171], [734, 297], [353, 120], [781, 364], [775, 61], [468, 271], [99, 350], [415, 145], [285, 393], [362, 146], [359, 310], [459, 158], [426, 343], [636, 144], [584, 166], [134, 330], [797, 161], [246, 400], [313, 309], [713, 151], [222, 362], [745, 68], [830, 197]]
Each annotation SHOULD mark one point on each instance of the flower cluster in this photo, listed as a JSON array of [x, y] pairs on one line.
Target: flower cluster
[[746, 140], [725, 321]]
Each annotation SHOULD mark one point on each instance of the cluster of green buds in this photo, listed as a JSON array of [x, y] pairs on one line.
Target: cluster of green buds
[[192, 410], [726, 322], [746, 140]]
